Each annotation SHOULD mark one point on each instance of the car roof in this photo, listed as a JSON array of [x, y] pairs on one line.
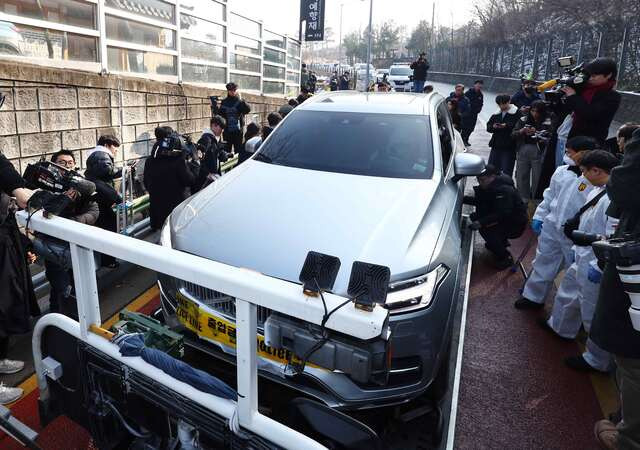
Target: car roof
[[371, 102]]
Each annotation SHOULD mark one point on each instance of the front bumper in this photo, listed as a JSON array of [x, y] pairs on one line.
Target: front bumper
[[418, 344], [402, 87]]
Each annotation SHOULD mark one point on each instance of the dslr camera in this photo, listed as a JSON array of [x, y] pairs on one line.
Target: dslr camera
[[624, 252]]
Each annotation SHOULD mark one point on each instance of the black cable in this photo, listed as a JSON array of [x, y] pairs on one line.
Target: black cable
[[324, 334]]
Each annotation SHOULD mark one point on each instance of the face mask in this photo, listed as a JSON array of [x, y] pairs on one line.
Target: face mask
[[567, 160]]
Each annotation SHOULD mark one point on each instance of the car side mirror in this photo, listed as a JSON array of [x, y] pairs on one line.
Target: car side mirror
[[467, 165]]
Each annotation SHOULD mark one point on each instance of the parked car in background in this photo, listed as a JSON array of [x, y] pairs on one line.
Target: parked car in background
[[400, 77]]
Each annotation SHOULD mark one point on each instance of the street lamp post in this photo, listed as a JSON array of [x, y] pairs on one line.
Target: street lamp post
[[340, 45], [369, 44]]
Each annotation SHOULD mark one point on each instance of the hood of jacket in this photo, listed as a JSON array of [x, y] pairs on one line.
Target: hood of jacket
[[100, 166], [513, 109]]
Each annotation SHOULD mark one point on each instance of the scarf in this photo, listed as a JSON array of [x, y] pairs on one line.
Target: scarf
[[587, 94], [589, 91]]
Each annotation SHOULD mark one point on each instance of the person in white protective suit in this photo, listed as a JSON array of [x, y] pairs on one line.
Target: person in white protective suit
[[566, 193], [569, 311]]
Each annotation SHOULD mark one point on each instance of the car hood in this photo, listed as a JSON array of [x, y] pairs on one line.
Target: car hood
[[267, 217]]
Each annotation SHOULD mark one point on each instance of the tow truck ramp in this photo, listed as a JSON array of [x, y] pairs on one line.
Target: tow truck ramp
[[251, 289]]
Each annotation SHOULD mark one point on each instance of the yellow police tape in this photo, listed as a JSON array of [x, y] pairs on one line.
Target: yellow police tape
[[210, 326]]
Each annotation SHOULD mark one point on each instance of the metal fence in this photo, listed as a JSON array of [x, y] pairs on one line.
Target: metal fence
[[537, 56]]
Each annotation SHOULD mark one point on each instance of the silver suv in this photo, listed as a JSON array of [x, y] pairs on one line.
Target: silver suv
[[365, 177]]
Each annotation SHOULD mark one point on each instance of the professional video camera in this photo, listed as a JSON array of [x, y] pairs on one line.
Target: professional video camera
[[624, 252], [60, 186], [572, 76]]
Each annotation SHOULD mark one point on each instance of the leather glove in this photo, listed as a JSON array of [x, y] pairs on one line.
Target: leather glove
[[594, 275], [536, 226], [475, 225]]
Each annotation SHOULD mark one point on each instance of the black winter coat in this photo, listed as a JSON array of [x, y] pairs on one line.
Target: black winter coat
[[520, 99], [476, 101], [233, 109], [420, 69], [168, 181], [611, 328], [545, 124], [499, 204], [17, 298], [593, 119], [501, 138], [100, 170]]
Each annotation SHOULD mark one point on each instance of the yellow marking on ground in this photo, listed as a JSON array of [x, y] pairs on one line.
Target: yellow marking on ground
[[605, 388], [31, 383], [135, 305]]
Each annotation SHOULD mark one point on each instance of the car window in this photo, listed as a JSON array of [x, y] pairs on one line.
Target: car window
[[445, 134], [400, 71], [380, 145]]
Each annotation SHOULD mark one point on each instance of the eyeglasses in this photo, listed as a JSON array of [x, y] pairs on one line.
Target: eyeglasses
[[66, 163]]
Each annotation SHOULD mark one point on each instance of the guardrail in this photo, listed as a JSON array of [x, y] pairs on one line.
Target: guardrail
[[251, 289]]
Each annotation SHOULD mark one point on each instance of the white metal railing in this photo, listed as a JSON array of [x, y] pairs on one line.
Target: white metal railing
[[250, 288]]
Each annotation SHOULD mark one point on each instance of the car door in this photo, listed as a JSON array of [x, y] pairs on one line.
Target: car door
[[447, 143]]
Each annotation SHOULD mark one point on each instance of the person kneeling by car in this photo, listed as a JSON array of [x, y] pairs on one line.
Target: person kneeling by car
[[500, 213]]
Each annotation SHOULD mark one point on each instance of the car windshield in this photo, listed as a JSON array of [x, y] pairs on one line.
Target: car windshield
[[400, 71], [379, 145]]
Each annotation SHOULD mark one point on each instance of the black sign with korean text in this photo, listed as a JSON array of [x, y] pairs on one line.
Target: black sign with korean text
[[312, 13]]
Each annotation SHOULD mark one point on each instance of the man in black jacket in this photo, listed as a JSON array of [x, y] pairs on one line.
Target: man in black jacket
[[101, 171], [213, 150], [56, 261], [500, 125], [233, 109], [476, 101], [420, 67], [17, 299], [611, 328], [500, 214], [594, 107], [167, 176]]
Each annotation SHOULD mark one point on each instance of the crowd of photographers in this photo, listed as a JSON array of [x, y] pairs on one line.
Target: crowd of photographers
[[582, 187], [176, 168]]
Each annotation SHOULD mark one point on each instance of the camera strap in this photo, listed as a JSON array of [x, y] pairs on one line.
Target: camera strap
[[591, 203]]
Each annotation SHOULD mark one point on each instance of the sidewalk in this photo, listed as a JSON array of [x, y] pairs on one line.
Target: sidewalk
[[515, 391]]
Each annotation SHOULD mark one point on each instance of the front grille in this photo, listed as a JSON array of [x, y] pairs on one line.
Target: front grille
[[219, 302]]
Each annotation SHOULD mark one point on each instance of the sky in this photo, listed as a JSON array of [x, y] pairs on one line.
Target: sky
[[355, 13]]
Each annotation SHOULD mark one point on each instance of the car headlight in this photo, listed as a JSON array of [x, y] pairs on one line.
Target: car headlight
[[165, 234], [416, 293]]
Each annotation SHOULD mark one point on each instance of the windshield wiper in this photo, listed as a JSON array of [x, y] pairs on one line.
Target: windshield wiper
[[263, 158]]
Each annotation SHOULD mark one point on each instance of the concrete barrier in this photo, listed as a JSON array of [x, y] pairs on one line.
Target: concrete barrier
[[629, 110]]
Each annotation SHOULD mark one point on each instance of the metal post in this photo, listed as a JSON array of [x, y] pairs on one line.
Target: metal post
[[599, 44], [534, 66], [102, 28], [547, 69], [340, 44], [247, 364], [524, 51], [366, 88], [581, 47], [178, 43], [511, 53], [84, 276], [623, 55]]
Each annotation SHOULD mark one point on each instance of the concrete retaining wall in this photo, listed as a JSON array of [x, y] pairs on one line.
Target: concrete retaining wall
[[47, 109], [629, 110]]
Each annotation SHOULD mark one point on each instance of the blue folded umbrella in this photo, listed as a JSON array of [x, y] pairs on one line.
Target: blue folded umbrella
[[133, 345]]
